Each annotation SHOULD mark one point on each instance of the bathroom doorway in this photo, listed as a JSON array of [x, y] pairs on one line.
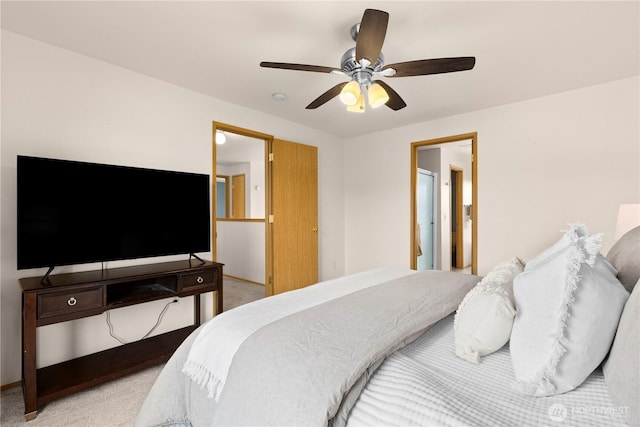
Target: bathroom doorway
[[442, 156]]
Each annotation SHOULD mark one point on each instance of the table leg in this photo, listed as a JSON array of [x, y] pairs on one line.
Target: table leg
[[29, 383]]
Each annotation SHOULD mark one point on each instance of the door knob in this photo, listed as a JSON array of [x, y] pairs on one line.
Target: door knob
[[314, 229]]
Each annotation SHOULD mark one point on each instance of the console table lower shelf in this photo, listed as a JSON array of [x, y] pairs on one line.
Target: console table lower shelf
[[76, 295], [72, 376]]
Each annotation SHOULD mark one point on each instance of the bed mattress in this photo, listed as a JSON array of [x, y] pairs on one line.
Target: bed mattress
[[426, 384]]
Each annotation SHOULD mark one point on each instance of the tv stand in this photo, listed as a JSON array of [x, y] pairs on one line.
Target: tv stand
[[195, 256], [45, 278], [72, 296]]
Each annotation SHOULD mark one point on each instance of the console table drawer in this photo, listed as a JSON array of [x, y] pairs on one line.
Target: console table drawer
[[64, 303], [198, 279]]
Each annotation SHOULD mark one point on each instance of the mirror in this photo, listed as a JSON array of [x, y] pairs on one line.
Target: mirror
[[444, 204], [240, 177]]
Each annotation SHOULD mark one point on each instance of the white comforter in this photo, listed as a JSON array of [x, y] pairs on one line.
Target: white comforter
[[213, 350], [293, 360]]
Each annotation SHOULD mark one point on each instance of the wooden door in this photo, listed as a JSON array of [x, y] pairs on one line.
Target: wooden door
[[457, 231], [238, 209], [294, 216]]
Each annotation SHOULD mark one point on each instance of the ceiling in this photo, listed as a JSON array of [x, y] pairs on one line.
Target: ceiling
[[523, 49], [240, 149]]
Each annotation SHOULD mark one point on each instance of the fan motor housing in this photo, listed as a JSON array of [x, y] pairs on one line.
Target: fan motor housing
[[349, 64]]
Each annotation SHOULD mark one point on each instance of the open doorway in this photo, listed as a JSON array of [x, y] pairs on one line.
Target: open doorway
[[270, 234], [426, 220], [454, 160], [239, 225]]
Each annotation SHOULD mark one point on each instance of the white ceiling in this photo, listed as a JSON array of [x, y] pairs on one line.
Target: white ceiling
[[523, 49], [240, 149]]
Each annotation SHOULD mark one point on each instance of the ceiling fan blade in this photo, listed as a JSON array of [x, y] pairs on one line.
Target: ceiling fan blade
[[328, 95], [299, 67], [373, 29], [395, 102], [431, 66]]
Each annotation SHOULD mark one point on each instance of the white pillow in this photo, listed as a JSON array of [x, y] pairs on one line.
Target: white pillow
[[568, 304], [484, 318]]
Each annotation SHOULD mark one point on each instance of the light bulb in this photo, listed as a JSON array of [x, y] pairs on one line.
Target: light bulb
[[350, 93], [221, 138], [358, 107], [377, 96]]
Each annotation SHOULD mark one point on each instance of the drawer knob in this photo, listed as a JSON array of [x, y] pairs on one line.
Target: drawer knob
[[199, 279], [72, 301]]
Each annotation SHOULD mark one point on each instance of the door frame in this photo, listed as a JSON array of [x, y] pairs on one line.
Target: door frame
[[219, 126], [473, 136]]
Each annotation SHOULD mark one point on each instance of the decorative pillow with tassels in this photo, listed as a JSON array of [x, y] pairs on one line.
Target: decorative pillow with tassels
[[568, 304], [483, 321]]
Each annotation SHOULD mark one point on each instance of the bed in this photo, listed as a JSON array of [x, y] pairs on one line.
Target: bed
[[392, 346]]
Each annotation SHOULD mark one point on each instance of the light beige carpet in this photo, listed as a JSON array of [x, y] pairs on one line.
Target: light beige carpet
[[112, 404], [237, 292]]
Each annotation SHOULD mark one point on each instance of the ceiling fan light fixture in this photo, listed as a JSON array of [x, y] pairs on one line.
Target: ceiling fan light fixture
[[358, 107], [377, 96], [365, 61], [350, 93], [221, 138]]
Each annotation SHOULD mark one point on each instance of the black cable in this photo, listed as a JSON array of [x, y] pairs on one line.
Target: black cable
[[122, 341]]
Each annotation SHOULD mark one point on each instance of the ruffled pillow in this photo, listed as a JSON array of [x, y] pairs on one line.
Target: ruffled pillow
[[568, 304], [483, 321]]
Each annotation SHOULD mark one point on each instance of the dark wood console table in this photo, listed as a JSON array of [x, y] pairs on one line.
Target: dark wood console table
[[65, 297]]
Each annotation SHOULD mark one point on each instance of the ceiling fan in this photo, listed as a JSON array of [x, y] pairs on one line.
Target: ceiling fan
[[364, 64]]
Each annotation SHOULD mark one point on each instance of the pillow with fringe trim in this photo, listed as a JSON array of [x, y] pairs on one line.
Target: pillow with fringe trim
[[484, 319], [568, 304]]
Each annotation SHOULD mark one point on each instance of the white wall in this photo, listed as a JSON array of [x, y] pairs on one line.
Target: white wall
[[60, 104], [256, 191], [542, 163], [242, 246]]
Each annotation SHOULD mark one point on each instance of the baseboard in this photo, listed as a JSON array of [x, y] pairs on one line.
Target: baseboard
[[244, 280], [10, 385]]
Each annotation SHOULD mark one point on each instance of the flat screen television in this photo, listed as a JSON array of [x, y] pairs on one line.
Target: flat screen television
[[72, 212]]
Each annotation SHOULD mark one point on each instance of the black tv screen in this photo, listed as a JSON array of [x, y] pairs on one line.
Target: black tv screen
[[74, 212]]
